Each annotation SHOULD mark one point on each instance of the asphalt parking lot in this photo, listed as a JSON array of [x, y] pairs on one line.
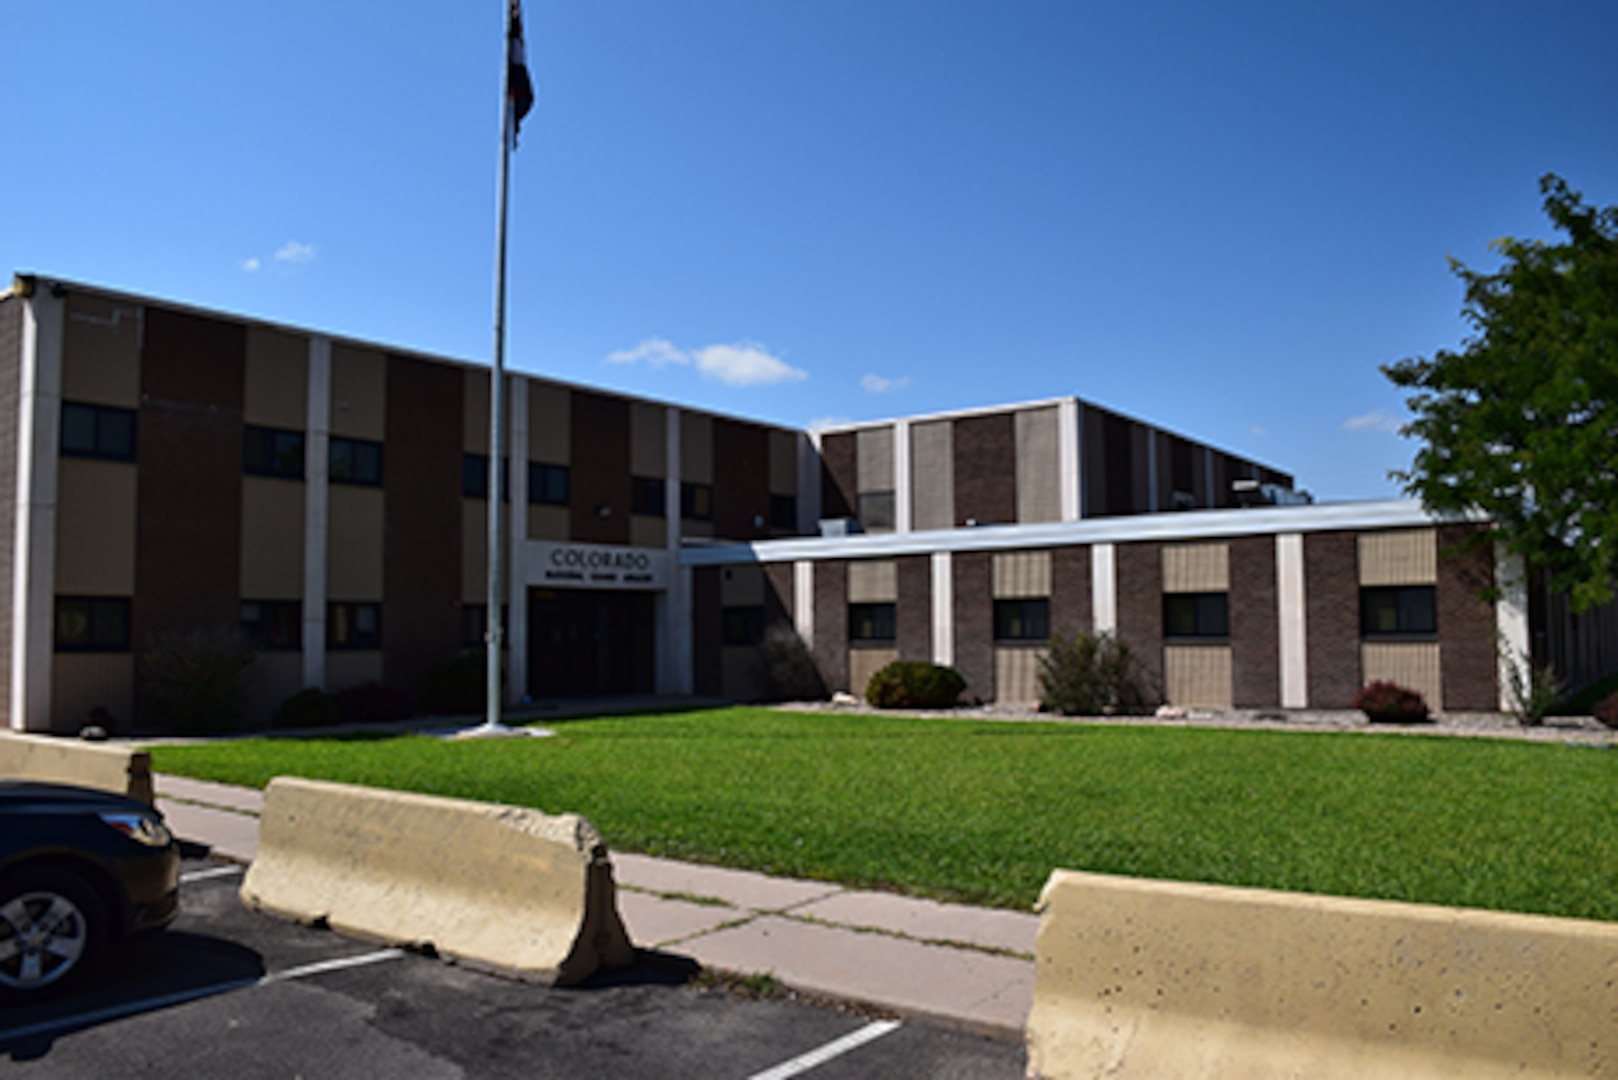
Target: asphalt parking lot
[[226, 992]]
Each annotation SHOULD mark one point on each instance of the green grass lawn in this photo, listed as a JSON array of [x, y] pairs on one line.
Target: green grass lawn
[[981, 812]]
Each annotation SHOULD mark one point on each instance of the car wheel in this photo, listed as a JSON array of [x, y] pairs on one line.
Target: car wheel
[[52, 928]]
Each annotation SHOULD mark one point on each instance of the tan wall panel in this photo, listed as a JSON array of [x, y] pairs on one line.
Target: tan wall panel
[[1016, 675], [1399, 557], [275, 392], [932, 475], [741, 586], [699, 529], [1196, 568], [345, 669], [1039, 473], [475, 412], [95, 528], [1414, 664], [550, 423], [696, 448], [274, 677], [101, 351], [863, 663], [783, 463], [1197, 675], [82, 681], [1022, 573], [272, 539], [873, 581], [873, 448], [648, 439], [648, 531], [549, 523], [359, 393], [354, 543], [741, 672]]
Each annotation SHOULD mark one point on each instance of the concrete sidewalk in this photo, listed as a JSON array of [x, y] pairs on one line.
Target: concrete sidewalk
[[971, 968]]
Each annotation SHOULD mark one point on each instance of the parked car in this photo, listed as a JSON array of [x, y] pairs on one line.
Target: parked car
[[79, 869]]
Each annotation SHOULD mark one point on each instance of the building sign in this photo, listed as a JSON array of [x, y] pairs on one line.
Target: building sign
[[596, 566]]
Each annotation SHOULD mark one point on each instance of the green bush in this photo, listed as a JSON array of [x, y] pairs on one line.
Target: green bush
[[914, 684], [191, 681], [309, 708], [1094, 675], [789, 669], [458, 686], [1390, 703]]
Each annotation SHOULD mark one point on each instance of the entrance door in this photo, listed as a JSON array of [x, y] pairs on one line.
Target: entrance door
[[586, 642]]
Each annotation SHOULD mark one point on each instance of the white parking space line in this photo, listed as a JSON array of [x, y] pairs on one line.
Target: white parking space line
[[834, 1049], [211, 872], [332, 965]]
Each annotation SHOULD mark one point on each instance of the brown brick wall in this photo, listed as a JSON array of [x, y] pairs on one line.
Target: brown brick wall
[[1071, 613], [421, 520], [10, 384], [1119, 494], [599, 475], [1466, 626], [741, 480], [188, 449], [972, 574], [1331, 585], [1140, 605], [831, 623], [1255, 659], [986, 469], [839, 475], [915, 607], [708, 617], [778, 593]]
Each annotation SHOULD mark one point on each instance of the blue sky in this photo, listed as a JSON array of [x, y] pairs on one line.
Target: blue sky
[[1219, 218]]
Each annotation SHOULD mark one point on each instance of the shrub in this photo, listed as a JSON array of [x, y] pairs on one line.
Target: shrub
[[1093, 675], [914, 684], [1606, 710], [1534, 689], [373, 703], [1390, 703], [191, 681], [309, 708], [458, 686], [789, 669]]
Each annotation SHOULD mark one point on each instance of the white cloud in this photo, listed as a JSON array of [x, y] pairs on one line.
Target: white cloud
[[654, 352], [250, 265], [877, 384], [1259, 431], [745, 364], [821, 423], [1375, 420], [293, 253]]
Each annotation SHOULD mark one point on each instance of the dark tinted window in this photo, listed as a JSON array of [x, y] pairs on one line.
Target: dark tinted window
[[355, 461], [1398, 611], [273, 452], [353, 626], [1023, 619], [92, 624], [696, 501], [475, 477], [98, 431], [1196, 615], [647, 497], [269, 625], [871, 623], [547, 484]]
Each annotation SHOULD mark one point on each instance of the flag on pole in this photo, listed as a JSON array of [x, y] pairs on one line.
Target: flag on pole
[[518, 86]]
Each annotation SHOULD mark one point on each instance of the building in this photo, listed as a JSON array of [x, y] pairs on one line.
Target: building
[[171, 469]]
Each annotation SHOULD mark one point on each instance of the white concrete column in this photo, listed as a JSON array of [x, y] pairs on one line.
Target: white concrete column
[[902, 503], [803, 601], [516, 683], [1104, 588], [316, 517], [1511, 619], [943, 608], [33, 586], [1292, 630], [1068, 431]]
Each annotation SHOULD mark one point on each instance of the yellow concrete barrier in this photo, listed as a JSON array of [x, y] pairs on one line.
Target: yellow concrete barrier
[[498, 887], [123, 769], [1167, 979]]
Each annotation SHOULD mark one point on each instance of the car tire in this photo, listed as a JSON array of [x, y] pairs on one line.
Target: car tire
[[53, 927]]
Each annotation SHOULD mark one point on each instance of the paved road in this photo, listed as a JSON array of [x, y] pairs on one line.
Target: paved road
[[230, 993]]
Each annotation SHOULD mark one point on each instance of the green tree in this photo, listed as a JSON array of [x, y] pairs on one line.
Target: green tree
[[1522, 422]]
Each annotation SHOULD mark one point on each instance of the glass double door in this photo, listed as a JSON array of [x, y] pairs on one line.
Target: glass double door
[[587, 642]]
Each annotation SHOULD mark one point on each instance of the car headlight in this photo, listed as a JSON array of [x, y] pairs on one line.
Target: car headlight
[[142, 828]]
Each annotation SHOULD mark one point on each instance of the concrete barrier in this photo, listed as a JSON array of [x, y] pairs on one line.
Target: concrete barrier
[[497, 887], [123, 769], [1154, 978]]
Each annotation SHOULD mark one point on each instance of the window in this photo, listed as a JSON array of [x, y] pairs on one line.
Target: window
[[696, 501], [475, 477], [356, 461], [98, 431], [92, 624], [1398, 611], [784, 512], [743, 625], [272, 452], [876, 511], [547, 484], [1023, 619], [647, 496], [271, 625], [475, 623], [1196, 615], [871, 624], [353, 626]]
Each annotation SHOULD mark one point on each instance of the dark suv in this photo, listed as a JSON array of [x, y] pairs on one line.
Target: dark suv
[[79, 868]]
